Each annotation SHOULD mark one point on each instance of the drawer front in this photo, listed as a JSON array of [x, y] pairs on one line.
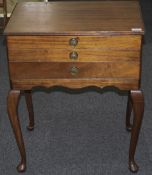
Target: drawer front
[[87, 48], [83, 70], [83, 42], [60, 55]]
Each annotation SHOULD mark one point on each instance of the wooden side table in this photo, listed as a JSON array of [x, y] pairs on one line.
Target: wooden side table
[[75, 44]]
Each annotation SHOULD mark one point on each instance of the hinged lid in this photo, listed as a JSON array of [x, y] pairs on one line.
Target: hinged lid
[[76, 18]]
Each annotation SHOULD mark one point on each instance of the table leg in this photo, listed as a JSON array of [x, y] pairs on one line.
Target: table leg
[[128, 113], [12, 104], [138, 109], [28, 98]]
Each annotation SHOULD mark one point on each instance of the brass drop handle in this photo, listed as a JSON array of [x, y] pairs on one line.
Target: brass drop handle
[[73, 55], [73, 41], [74, 70]]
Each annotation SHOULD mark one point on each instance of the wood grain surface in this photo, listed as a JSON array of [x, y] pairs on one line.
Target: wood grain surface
[[73, 18], [89, 48], [122, 84], [43, 70], [84, 42]]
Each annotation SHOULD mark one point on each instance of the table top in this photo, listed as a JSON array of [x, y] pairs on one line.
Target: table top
[[76, 18]]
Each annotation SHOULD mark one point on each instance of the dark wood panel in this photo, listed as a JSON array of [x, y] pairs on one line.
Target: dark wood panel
[[120, 42], [124, 84], [25, 70], [72, 18], [58, 55]]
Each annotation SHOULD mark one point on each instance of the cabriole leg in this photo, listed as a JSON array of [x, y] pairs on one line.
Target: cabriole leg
[[12, 104], [138, 109], [28, 98], [128, 113]]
